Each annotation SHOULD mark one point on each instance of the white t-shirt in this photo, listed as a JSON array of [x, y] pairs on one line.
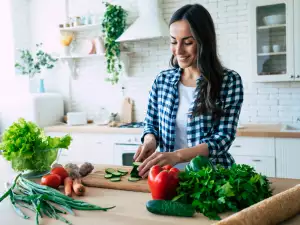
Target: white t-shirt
[[186, 96]]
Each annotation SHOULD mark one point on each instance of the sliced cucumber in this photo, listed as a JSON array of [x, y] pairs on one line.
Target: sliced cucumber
[[137, 164], [133, 179], [107, 176], [110, 170], [123, 172], [115, 179], [116, 174], [134, 172]]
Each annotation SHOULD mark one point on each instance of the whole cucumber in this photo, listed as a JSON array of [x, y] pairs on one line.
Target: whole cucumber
[[170, 208]]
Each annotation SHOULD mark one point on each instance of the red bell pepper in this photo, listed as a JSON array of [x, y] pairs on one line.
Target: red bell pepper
[[163, 182]]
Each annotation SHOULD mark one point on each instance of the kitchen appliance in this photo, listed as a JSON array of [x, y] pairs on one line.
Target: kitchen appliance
[[97, 179], [124, 150], [76, 118], [132, 125], [44, 109], [150, 16]]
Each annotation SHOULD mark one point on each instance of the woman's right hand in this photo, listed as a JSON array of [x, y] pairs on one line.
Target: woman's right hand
[[146, 149]]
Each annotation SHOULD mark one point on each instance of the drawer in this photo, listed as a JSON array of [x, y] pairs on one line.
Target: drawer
[[127, 139], [262, 164], [253, 146]]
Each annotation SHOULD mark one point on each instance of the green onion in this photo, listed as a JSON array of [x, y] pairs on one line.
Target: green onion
[[44, 201]]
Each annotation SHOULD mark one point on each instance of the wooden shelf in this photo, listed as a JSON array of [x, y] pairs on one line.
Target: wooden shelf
[[271, 53], [82, 28], [71, 61], [81, 56], [271, 26]]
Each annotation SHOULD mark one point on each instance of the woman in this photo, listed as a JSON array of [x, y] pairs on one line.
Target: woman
[[193, 107]]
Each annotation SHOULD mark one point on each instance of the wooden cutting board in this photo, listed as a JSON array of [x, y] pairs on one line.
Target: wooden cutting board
[[97, 179], [126, 111]]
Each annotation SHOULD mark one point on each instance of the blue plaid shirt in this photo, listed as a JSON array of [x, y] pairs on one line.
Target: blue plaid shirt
[[217, 134]]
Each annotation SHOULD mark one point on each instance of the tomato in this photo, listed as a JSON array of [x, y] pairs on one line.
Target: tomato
[[51, 180], [60, 171]]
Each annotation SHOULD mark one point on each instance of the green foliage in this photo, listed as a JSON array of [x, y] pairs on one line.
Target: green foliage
[[216, 191], [113, 25], [28, 148], [32, 63]]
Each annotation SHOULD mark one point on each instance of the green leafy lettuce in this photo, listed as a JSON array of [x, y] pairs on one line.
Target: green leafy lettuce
[[213, 191], [28, 148]]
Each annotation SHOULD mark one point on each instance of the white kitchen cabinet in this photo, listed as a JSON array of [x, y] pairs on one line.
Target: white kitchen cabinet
[[253, 146], [262, 164], [275, 33], [256, 152], [287, 157], [87, 147]]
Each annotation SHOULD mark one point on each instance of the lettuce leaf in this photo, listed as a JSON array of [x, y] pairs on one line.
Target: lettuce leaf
[[28, 148]]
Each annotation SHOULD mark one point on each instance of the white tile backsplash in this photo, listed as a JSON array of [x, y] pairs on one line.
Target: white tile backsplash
[[264, 102]]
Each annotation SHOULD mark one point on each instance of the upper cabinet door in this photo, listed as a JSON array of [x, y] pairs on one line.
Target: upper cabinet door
[[297, 38], [272, 40]]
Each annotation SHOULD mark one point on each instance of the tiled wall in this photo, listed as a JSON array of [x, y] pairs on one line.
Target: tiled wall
[[264, 102]]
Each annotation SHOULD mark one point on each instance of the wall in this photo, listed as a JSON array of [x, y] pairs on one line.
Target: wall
[[14, 31], [264, 102]]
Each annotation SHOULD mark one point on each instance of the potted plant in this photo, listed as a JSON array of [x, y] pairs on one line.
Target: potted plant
[[34, 63], [29, 150], [113, 25]]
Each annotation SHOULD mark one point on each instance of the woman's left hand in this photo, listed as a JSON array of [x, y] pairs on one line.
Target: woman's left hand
[[157, 158]]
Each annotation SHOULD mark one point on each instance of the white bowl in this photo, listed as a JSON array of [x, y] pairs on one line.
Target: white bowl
[[276, 48], [274, 19], [265, 48]]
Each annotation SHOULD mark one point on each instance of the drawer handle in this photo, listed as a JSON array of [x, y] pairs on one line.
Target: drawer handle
[[256, 160], [98, 142], [237, 146]]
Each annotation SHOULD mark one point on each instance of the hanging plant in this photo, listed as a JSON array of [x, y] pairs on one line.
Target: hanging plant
[[113, 25]]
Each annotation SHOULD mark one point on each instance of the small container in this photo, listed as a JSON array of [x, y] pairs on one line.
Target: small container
[[276, 48], [77, 21], [265, 48]]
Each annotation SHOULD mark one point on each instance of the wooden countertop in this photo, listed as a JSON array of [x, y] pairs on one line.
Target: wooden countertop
[[247, 130], [130, 210], [92, 128], [130, 207]]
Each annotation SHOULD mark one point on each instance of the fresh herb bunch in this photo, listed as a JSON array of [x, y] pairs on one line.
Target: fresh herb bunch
[[216, 191], [34, 62], [26, 145], [113, 25]]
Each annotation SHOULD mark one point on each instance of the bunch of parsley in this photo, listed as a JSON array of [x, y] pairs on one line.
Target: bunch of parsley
[[213, 191], [28, 148]]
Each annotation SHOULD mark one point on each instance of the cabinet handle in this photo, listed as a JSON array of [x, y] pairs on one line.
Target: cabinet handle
[[298, 76], [98, 142], [256, 160], [292, 76], [237, 146]]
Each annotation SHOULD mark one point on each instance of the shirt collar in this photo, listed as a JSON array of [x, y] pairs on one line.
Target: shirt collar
[[175, 79]]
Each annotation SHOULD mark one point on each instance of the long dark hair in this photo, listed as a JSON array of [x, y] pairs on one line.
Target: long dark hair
[[203, 30]]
